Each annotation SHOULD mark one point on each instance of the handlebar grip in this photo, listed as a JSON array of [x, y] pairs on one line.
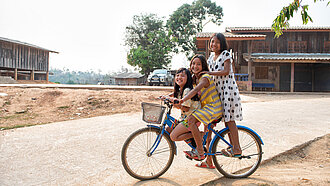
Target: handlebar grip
[[176, 102]]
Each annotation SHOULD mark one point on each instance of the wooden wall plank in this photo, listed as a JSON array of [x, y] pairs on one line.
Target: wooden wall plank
[[22, 57]]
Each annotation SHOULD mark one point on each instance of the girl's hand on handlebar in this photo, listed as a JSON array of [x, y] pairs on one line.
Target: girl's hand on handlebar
[[162, 97], [176, 103], [166, 98]]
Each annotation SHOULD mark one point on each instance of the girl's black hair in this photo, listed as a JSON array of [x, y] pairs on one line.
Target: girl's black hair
[[222, 39], [189, 84], [205, 67]]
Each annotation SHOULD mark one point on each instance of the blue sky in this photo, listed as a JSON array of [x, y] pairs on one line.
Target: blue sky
[[89, 34]]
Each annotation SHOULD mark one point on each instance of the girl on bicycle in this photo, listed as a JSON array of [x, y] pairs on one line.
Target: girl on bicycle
[[210, 110], [183, 84], [220, 65]]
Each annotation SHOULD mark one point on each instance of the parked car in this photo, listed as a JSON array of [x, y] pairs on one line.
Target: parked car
[[160, 77]]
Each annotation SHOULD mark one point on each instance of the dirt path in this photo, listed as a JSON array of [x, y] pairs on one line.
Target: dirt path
[[306, 164]]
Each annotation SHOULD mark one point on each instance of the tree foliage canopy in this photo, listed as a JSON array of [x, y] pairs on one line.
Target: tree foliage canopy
[[188, 20], [282, 20], [67, 76], [149, 42]]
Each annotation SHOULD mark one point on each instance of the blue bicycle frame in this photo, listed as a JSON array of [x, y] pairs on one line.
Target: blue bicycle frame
[[172, 122]]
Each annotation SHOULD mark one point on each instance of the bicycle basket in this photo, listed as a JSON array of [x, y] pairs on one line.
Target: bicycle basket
[[152, 113]]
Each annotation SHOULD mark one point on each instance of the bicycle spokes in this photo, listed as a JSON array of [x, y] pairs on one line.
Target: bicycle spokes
[[238, 167], [147, 155]]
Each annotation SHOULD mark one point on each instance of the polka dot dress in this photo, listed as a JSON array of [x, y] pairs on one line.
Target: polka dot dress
[[227, 88]]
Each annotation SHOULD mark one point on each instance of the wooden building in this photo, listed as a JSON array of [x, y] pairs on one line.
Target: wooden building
[[299, 60], [23, 61], [129, 78]]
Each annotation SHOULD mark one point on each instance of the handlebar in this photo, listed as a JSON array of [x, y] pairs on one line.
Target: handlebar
[[169, 101], [169, 104]]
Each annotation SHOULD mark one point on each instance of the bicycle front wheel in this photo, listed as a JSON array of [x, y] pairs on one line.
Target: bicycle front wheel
[[241, 167], [136, 158]]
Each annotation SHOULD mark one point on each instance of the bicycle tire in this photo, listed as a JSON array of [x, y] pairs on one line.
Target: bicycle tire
[[134, 154], [243, 167]]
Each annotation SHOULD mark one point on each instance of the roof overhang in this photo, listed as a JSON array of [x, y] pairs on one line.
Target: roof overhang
[[269, 29], [288, 57], [231, 36], [25, 44], [127, 76]]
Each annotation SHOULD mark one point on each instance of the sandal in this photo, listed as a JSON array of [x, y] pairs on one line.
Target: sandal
[[194, 155], [229, 153], [205, 165], [189, 157]]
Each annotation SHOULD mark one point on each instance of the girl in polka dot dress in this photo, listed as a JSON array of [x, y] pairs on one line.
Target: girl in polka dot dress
[[220, 65]]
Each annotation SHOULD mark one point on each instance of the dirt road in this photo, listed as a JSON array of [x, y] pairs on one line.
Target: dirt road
[[87, 151]]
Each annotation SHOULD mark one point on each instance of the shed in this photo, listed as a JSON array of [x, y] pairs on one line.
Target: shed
[[129, 78], [23, 61]]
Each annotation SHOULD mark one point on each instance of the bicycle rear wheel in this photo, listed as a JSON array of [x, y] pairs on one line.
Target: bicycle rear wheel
[[241, 167], [135, 158]]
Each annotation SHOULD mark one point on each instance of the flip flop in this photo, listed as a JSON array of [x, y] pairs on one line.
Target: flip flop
[[194, 155], [205, 165], [229, 153]]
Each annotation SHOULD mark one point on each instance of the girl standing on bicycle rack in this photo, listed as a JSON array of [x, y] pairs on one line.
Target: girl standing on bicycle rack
[[220, 65], [182, 86], [210, 110]]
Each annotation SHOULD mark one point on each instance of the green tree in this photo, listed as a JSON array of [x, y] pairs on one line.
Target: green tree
[[188, 20], [149, 43], [282, 20]]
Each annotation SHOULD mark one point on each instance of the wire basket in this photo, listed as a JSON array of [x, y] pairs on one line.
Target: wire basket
[[152, 113]]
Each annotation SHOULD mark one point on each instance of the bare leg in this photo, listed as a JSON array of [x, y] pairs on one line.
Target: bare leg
[[229, 134], [209, 161], [180, 133], [233, 137], [168, 129], [196, 134]]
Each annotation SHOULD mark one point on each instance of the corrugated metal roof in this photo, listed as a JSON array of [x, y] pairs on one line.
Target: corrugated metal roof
[[228, 35], [229, 29], [128, 75], [291, 56], [25, 44]]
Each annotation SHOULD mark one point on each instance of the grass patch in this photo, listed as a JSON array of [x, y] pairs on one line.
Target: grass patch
[[10, 117], [24, 116], [17, 126], [63, 107]]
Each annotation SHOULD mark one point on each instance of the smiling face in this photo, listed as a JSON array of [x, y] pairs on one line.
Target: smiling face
[[196, 66], [215, 45], [181, 79]]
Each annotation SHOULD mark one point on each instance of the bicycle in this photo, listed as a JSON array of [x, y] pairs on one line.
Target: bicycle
[[148, 152]]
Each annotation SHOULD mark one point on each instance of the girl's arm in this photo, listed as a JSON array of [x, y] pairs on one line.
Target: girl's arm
[[179, 106], [169, 96], [184, 108], [203, 83], [223, 72]]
